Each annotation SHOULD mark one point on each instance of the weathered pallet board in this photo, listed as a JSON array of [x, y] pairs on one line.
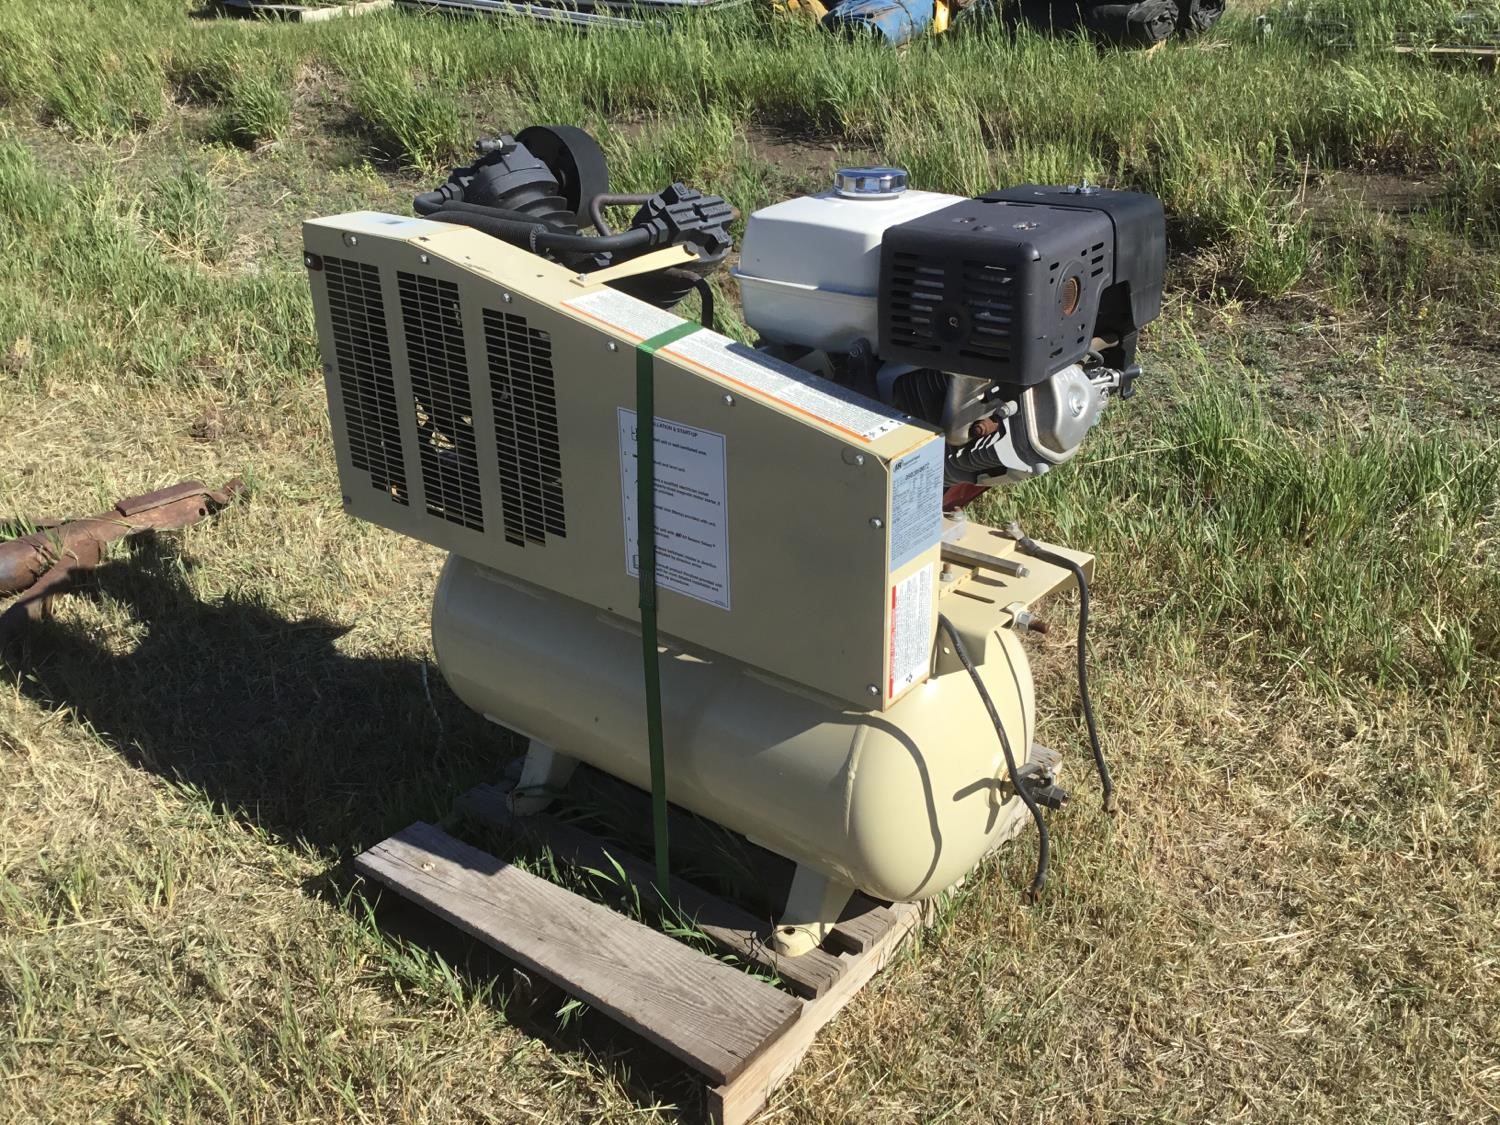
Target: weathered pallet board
[[706, 1013], [733, 1103], [1486, 56], [306, 13], [743, 1036], [732, 928]]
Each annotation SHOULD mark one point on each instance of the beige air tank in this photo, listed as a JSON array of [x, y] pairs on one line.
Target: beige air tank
[[899, 803]]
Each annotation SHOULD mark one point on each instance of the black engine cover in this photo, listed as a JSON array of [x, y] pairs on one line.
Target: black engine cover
[[1015, 285]]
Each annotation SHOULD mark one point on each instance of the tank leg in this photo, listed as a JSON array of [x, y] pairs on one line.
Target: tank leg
[[544, 774], [812, 909]]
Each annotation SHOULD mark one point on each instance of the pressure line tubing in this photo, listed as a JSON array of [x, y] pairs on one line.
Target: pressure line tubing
[[1036, 550], [705, 294], [1023, 790], [519, 230], [611, 199]]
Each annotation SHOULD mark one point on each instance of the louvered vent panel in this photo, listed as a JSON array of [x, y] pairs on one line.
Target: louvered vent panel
[[988, 292], [362, 356], [521, 386], [440, 389], [1096, 259], [916, 291]]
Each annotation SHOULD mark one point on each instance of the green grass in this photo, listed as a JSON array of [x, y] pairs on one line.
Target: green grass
[[188, 213], [963, 112], [1295, 645], [1382, 23], [1349, 551]]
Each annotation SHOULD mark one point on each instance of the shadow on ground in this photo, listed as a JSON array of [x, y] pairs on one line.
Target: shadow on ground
[[264, 714], [272, 722]]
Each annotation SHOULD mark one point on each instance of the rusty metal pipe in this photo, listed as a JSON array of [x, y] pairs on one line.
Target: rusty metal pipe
[[43, 564]]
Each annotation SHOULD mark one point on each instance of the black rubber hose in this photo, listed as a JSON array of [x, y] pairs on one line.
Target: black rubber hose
[[705, 296], [535, 235], [503, 214], [434, 201], [1023, 790], [611, 199], [1036, 550]]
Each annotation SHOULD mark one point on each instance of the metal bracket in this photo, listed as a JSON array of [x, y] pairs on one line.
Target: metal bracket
[[665, 258]]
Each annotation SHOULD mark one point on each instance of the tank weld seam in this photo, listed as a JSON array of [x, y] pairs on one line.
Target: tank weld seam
[[856, 750]]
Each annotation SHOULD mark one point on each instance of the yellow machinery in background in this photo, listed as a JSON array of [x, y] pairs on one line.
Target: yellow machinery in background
[[1131, 23]]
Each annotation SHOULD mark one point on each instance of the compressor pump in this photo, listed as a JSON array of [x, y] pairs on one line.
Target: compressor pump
[[741, 576]]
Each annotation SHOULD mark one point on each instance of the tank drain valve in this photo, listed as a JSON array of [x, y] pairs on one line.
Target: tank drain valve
[[1044, 789]]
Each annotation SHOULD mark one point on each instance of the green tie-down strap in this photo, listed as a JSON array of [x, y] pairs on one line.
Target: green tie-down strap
[[645, 537]]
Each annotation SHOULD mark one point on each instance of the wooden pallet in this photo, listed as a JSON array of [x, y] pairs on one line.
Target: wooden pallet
[[1485, 56], [743, 1036], [303, 13]]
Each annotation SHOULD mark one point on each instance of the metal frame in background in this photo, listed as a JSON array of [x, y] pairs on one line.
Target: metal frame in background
[[589, 13]]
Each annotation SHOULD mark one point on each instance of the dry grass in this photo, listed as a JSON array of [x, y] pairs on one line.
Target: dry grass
[[1297, 665]]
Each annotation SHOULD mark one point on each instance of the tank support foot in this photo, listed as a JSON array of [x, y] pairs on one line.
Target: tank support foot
[[812, 909], [544, 774]]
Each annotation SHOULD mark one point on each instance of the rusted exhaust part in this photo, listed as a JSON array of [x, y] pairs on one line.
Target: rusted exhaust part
[[43, 564]]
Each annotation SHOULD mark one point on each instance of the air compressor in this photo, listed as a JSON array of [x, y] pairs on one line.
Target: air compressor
[[740, 576]]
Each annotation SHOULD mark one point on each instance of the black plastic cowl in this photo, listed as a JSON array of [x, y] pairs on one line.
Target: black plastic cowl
[[1140, 256], [1015, 285]]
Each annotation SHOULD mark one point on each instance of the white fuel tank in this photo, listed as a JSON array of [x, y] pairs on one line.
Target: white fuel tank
[[809, 271], [899, 804]]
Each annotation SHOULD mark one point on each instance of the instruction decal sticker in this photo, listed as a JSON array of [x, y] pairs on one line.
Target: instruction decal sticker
[[692, 509]]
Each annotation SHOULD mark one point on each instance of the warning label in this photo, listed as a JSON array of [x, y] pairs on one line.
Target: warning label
[[916, 503], [911, 630], [692, 509], [801, 390], [622, 311]]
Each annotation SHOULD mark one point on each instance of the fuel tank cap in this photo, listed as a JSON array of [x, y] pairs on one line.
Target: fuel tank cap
[[869, 183]]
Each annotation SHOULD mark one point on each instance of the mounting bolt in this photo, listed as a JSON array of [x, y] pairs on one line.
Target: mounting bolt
[[876, 522], [859, 459], [728, 400], [505, 297], [1024, 621], [424, 258], [873, 689], [612, 346], [351, 240]]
